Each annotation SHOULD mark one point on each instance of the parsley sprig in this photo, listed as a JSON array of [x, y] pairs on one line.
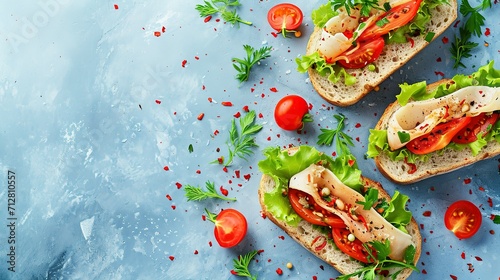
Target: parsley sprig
[[381, 262], [224, 7], [474, 20], [243, 66], [241, 265], [342, 140], [366, 5], [241, 142], [197, 193]]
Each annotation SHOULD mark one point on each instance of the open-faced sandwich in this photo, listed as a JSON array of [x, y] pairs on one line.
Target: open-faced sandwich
[[354, 48], [343, 218], [437, 128]]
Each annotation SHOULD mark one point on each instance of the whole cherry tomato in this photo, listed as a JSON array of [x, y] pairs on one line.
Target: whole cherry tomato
[[291, 112]]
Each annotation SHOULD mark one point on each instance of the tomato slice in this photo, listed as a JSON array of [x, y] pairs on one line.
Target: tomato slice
[[307, 214], [364, 54], [438, 138], [463, 218], [396, 17], [230, 228], [285, 17], [354, 248], [291, 112], [480, 124]]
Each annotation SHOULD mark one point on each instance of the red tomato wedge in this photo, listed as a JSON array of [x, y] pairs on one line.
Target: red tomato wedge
[[230, 228], [364, 54], [396, 17], [480, 124], [354, 248], [463, 218], [291, 112], [285, 17], [328, 219], [439, 137]]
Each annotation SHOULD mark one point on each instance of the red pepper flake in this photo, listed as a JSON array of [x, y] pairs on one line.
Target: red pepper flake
[[315, 277], [163, 29], [166, 168], [178, 185], [116, 6], [487, 32], [424, 271], [456, 23], [492, 217], [439, 73], [196, 252], [490, 202], [439, 59], [274, 34], [223, 191], [224, 169], [200, 116], [245, 109], [412, 42], [247, 176], [358, 125], [158, 101], [237, 173], [220, 160], [210, 243], [237, 115], [427, 213], [234, 272], [184, 62], [445, 40], [216, 132], [261, 116], [203, 217], [171, 258], [207, 19], [467, 181], [168, 197], [269, 138], [198, 171], [210, 99], [273, 89], [479, 258], [157, 33], [453, 277], [227, 103], [282, 237], [173, 207], [279, 271], [351, 162], [481, 189]]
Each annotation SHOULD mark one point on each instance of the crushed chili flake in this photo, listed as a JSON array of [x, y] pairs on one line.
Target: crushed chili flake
[[247, 176], [412, 42], [168, 197], [445, 40], [462, 255], [224, 191], [163, 29], [173, 207], [234, 272], [282, 237], [224, 169], [237, 115], [178, 185], [216, 132], [487, 32], [439, 59], [490, 202], [207, 19], [171, 258], [274, 34], [196, 252], [453, 277], [261, 116], [456, 23], [424, 271], [227, 103], [358, 125], [157, 33], [439, 73], [184, 62], [158, 101], [245, 109], [200, 116], [210, 99], [279, 271], [427, 213], [166, 168], [351, 162], [479, 258], [116, 6], [210, 243], [203, 217], [273, 89], [467, 181], [237, 173], [481, 189], [198, 171]]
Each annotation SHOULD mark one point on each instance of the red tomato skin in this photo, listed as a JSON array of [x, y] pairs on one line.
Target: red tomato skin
[[438, 138], [353, 249], [397, 16], [308, 214], [290, 112], [230, 228], [478, 124], [285, 16], [367, 53], [463, 218]]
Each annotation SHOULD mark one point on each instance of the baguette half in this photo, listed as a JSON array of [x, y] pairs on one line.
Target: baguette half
[[392, 58], [305, 233], [398, 171]]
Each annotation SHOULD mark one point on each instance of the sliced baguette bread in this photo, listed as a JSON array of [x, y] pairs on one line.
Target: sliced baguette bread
[[392, 58], [398, 171], [305, 233]]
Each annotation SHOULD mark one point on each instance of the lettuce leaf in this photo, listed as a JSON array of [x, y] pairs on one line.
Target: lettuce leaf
[[281, 167], [396, 213], [322, 14], [334, 72]]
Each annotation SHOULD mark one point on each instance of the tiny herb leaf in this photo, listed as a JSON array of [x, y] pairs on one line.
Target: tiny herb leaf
[[371, 198], [197, 193], [241, 265], [342, 140], [243, 66], [211, 7]]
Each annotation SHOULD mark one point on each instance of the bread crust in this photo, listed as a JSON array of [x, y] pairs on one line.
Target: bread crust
[[393, 57], [397, 171], [305, 233]]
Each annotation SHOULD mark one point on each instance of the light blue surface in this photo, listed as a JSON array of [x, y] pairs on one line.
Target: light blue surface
[[94, 106]]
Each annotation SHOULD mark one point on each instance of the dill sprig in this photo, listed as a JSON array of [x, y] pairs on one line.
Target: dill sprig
[[241, 142], [224, 8], [197, 193], [241, 265]]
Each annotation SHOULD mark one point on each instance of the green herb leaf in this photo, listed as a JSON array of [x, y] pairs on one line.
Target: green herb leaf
[[241, 265], [190, 148], [342, 140], [366, 5], [197, 193], [243, 66], [403, 136], [212, 7], [241, 142], [429, 36], [495, 218], [371, 198]]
